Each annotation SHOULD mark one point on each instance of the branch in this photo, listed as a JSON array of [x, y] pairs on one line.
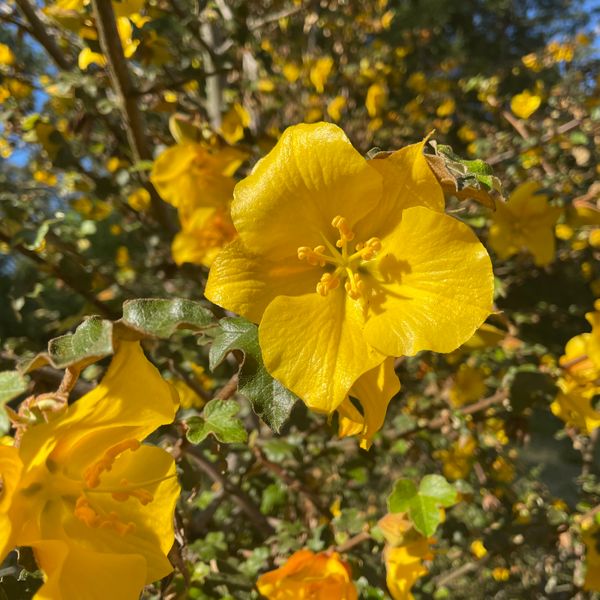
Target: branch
[[127, 95], [243, 500], [38, 31], [470, 409]]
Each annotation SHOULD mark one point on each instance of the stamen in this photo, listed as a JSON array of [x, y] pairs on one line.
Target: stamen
[[92, 474], [329, 281], [88, 515], [346, 234], [367, 251], [315, 256], [354, 285]]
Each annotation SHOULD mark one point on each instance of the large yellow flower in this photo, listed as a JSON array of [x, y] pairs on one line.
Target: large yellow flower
[[344, 262], [321, 576], [95, 505], [525, 222], [191, 176]]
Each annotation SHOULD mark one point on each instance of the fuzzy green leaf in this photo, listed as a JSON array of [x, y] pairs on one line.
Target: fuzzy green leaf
[[219, 419], [270, 400]]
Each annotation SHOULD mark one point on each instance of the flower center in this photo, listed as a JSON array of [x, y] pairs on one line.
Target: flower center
[[341, 264], [89, 514], [55, 485]]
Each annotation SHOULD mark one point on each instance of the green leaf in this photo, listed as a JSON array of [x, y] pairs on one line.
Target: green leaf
[[404, 491], [162, 317], [270, 400], [422, 504], [12, 383], [218, 418], [91, 340]]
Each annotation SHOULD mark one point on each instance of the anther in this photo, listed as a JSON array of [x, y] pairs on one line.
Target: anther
[[328, 282], [346, 234], [92, 474], [144, 496]]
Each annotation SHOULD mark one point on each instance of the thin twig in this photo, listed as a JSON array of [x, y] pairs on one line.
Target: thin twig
[[243, 500], [127, 96], [38, 30], [355, 540]]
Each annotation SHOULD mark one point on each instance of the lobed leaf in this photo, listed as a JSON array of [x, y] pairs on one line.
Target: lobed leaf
[[219, 419], [270, 400]]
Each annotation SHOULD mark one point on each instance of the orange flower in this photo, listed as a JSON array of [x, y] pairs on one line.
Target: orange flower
[[322, 576]]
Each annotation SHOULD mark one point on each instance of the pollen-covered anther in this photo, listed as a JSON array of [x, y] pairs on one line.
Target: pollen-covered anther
[[92, 474], [355, 286], [85, 513], [370, 249], [329, 281], [346, 233], [141, 494], [313, 256]]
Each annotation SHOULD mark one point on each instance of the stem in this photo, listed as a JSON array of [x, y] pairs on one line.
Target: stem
[[38, 31], [127, 96]]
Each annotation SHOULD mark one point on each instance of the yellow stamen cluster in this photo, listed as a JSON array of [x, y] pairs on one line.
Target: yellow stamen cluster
[[88, 515], [346, 265], [128, 491], [93, 472]]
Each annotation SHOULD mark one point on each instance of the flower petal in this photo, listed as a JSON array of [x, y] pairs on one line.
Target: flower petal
[[245, 283], [152, 536], [131, 401], [374, 389], [435, 286], [312, 175], [407, 181], [10, 473], [75, 573], [315, 346]]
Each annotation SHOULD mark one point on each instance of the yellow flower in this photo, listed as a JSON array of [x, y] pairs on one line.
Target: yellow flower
[[344, 261], [139, 199], [591, 539], [95, 505], [404, 565], [458, 460], [469, 385], [376, 100], [235, 120], [319, 74], [446, 108], [580, 384], [190, 176], [561, 52], [531, 61], [525, 222], [291, 72], [501, 574], [478, 549], [202, 236], [525, 104], [6, 55], [321, 576], [88, 57], [335, 107], [502, 470]]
